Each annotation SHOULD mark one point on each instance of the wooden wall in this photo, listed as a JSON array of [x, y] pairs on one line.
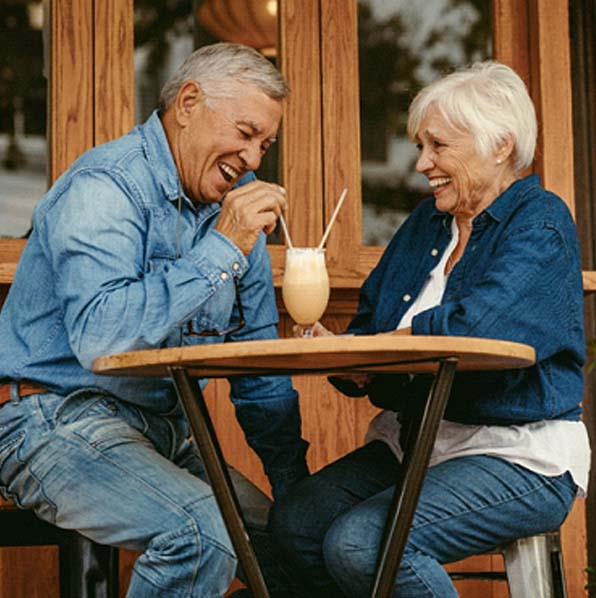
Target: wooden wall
[[91, 102]]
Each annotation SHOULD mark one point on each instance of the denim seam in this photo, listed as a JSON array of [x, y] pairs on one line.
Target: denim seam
[[192, 528], [41, 490], [483, 508], [202, 537], [198, 531], [420, 578], [11, 443]]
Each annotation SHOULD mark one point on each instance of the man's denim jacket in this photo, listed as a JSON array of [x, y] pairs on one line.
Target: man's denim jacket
[[518, 280], [100, 275]]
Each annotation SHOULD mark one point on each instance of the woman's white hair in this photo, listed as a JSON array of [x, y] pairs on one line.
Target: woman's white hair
[[487, 100], [222, 70]]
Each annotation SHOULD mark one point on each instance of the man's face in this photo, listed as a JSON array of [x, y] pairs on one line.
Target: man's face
[[224, 140]]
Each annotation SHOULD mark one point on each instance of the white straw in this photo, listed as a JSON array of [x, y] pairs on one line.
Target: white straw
[[286, 231], [333, 217]]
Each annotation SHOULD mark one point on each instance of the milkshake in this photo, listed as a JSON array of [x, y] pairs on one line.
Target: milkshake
[[305, 287]]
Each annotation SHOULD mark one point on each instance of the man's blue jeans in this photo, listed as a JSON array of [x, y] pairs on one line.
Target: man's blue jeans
[[329, 527], [125, 477]]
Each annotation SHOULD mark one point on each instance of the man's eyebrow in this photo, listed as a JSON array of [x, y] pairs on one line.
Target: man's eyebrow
[[256, 129], [252, 124]]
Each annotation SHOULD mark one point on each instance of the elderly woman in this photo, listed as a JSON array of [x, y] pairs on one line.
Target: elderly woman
[[492, 254]]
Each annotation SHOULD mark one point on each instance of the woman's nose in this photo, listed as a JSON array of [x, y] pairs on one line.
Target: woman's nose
[[425, 161]]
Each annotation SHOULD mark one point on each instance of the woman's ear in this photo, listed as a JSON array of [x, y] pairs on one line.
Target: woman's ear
[[188, 98], [505, 148]]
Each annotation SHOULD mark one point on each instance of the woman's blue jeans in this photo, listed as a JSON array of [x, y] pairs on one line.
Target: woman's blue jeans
[[329, 527], [125, 477]]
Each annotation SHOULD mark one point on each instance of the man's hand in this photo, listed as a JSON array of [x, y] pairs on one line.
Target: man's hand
[[249, 210]]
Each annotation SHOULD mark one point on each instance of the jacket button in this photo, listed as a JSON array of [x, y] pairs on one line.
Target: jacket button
[[224, 276], [434, 252], [406, 297], [235, 266]]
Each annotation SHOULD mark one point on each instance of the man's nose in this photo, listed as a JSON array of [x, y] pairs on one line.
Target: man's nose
[[251, 156]]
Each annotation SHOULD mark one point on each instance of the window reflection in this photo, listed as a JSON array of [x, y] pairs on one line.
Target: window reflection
[[23, 99], [403, 46], [166, 32]]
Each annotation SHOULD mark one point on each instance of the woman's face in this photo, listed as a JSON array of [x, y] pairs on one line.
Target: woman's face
[[464, 183]]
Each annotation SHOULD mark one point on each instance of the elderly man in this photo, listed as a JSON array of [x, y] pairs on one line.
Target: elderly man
[[133, 248]]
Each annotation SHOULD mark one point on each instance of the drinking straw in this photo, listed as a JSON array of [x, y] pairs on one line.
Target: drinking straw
[[333, 217], [286, 231]]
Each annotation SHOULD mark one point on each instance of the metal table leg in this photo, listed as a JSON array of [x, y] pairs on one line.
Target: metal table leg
[[407, 491], [193, 403]]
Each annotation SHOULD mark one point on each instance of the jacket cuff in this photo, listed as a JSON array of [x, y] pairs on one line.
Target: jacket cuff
[[421, 323], [218, 258]]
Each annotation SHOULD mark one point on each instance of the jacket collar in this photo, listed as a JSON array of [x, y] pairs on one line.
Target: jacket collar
[[159, 155], [505, 203], [508, 200], [157, 149]]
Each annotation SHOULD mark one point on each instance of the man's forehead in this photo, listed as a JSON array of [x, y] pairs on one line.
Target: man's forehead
[[262, 115]]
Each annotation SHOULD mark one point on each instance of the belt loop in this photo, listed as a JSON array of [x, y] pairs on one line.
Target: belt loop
[[14, 392]]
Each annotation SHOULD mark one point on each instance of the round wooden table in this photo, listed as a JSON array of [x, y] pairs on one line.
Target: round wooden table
[[388, 353]]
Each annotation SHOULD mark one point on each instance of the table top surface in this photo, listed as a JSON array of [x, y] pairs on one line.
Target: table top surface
[[325, 355]]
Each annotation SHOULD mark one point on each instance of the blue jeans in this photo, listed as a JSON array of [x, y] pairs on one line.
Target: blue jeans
[[127, 477], [329, 527]]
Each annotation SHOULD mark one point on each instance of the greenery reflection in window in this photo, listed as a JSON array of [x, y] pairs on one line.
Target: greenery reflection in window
[[404, 45]]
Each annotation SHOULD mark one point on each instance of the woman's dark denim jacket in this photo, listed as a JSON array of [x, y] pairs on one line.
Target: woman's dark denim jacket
[[518, 280]]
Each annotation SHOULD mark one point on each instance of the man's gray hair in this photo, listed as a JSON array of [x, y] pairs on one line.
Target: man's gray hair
[[222, 70], [487, 100]]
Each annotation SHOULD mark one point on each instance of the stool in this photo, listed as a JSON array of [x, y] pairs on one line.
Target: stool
[[533, 567], [87, 569]]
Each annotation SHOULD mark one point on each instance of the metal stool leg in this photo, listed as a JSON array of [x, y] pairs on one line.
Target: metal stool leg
[[198, 417], [556, 562], [87, 569], [534, 567]]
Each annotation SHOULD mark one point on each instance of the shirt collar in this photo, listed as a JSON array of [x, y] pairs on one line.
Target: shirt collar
[[162, 162], [160, 157], [506, 202]]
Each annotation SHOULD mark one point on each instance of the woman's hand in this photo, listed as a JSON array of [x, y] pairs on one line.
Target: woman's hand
[[359, 380], [400, 331], [317, 330]]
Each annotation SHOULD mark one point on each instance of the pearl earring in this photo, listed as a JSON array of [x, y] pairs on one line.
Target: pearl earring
[[499, 161]]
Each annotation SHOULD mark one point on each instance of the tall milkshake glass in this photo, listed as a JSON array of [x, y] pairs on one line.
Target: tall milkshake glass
[[305, 288]]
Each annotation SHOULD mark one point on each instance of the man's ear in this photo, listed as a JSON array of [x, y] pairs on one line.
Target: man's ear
[[188, 98]]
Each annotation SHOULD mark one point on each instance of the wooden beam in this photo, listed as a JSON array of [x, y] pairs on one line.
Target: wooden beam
[[70, 128], [341, 134], [113, 52], [551, 90], [301, 143]]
